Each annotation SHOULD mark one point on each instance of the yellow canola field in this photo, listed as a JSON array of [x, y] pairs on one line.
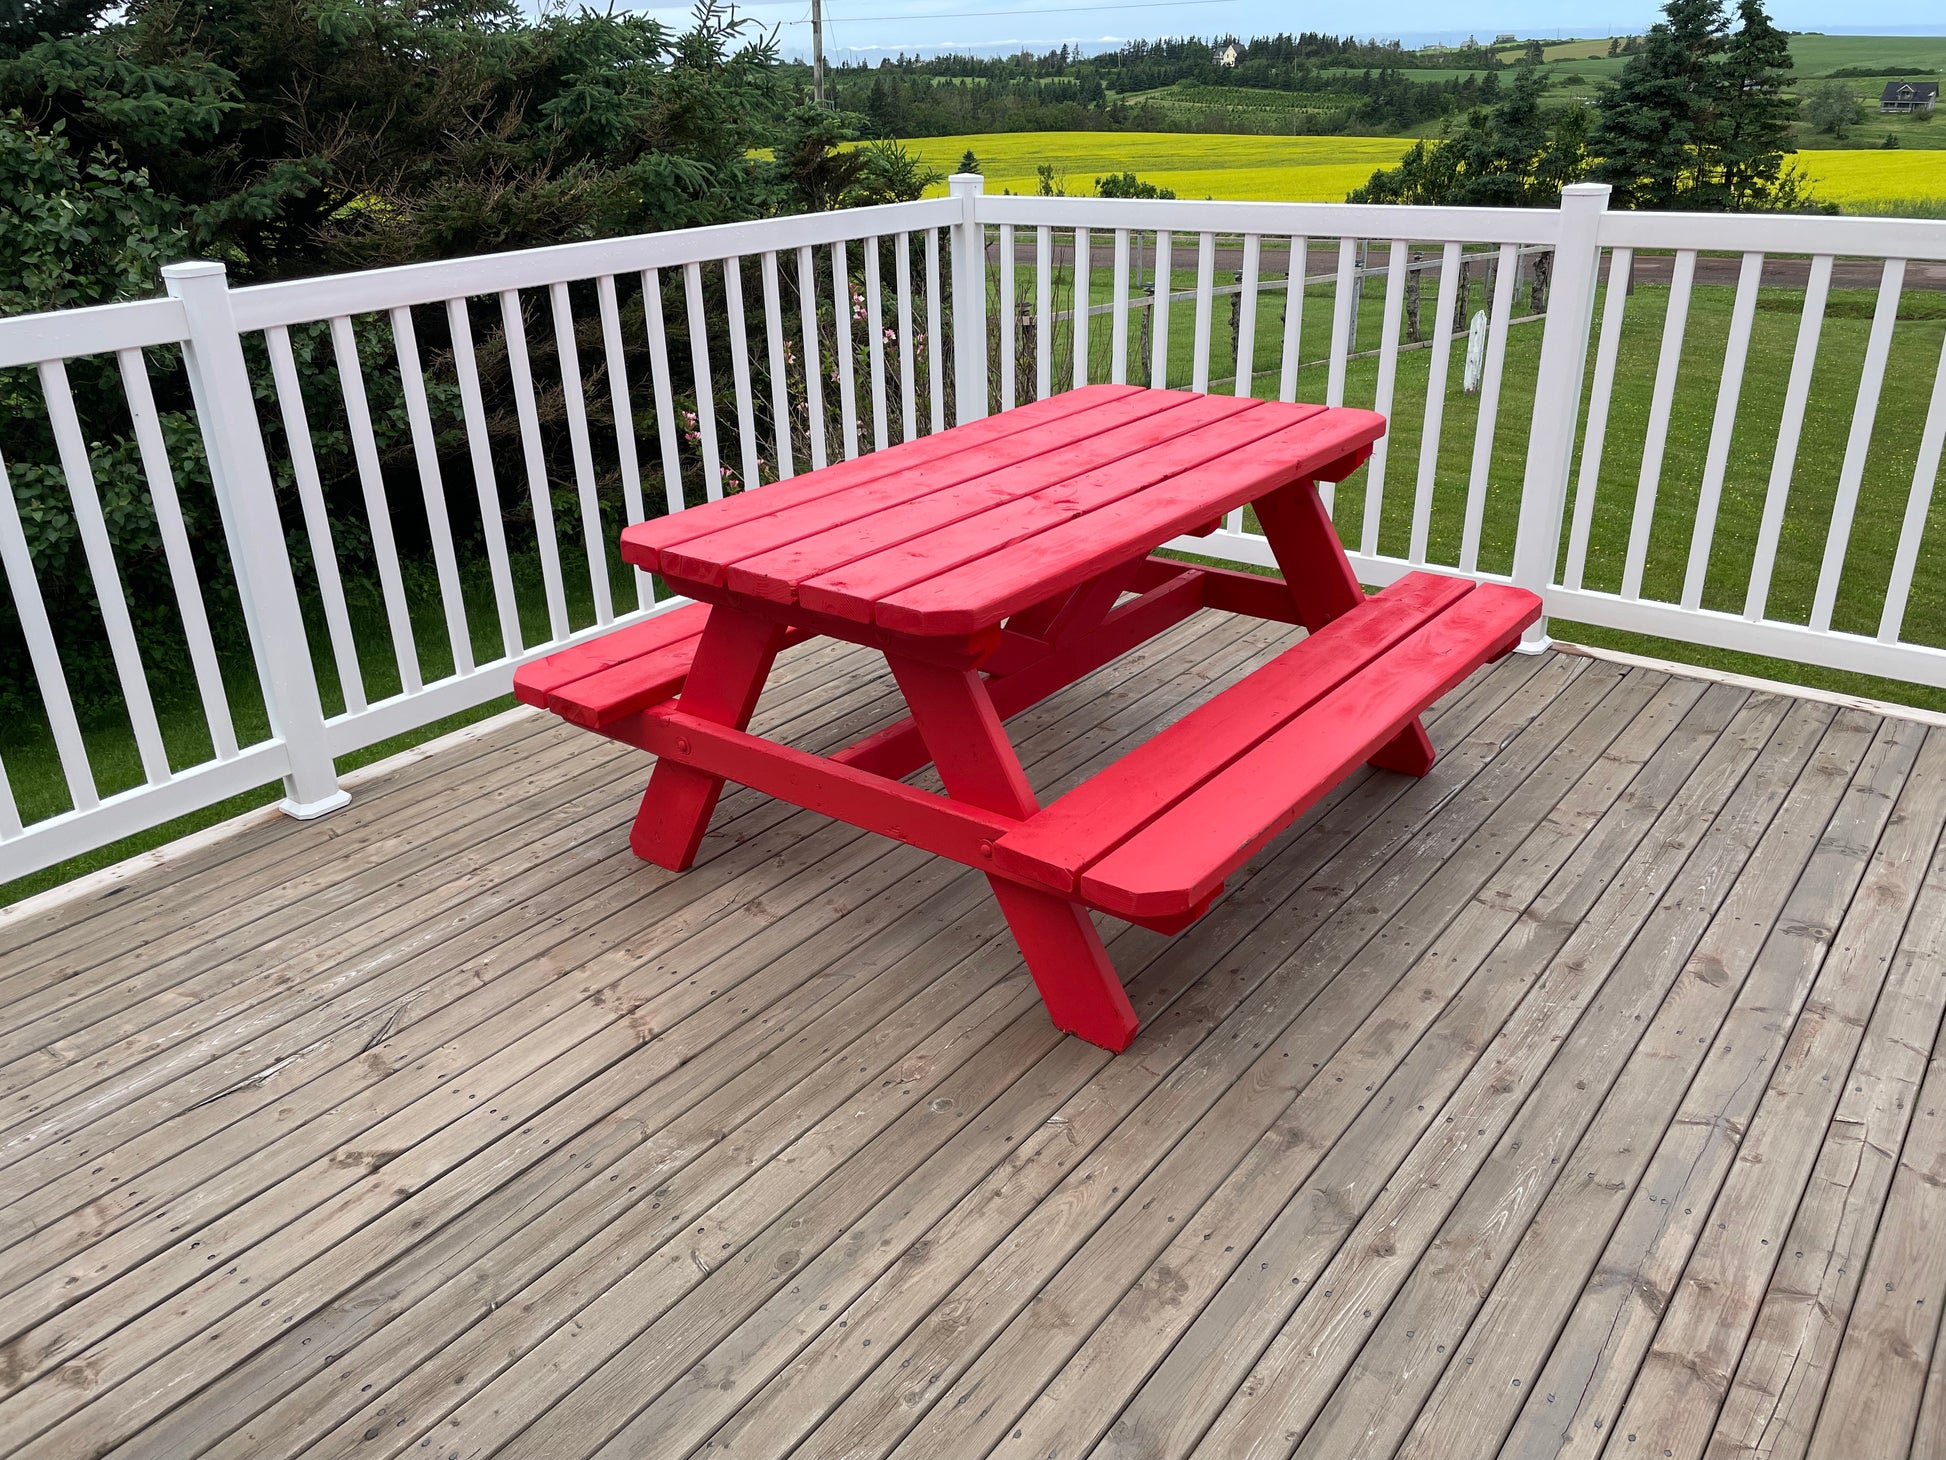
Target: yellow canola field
[[1324, 169], [1874, 176], [1195, 164]]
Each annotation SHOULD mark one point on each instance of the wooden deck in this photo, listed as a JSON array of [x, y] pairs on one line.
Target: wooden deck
[[1583, 1098]]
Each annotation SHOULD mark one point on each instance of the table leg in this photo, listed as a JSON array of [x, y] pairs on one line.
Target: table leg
[[1323, 586], [733, 659], [1057, 938]]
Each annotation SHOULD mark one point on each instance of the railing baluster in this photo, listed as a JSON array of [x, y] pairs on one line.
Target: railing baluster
[[1717, 459], [514, 331], [1388, 368], [1244, 382], [1783, 464], [692, 288], [1083, 290], [10, 823], [1043, 313], [170, 528], [1294, 267], [665, 396], [1476, 487], [568, 358], [908, 358], [780, 380], [1656, 439], [1159, 309], [1878, 349], [935, 333], [841, 308], [1588, 482], [626, 461], [740, 373], [1205, 306], [432, 486], [875, 328], [1344, 302], [317, 523], [358, 417], [1118, 340], [1435, 418], [31, 609], [1009, 318], [486, 483], [110, 597], [807, 318], [1918, 508]]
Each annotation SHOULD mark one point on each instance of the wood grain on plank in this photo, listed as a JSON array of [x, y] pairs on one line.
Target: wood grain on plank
[[1731, 1237], [1560, 1146], [1485, 1376], [1645, 922]]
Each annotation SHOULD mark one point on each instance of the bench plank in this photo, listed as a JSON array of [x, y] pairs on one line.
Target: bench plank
[[707, 558], [1174, 861], [1091, 820], [643, 542], [534, 682], [1062, 547]]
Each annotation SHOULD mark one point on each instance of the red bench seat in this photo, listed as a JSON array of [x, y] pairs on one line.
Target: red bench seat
[[1154, 835], [605, 679]]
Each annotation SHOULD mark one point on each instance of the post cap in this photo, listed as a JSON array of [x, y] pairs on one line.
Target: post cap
[[192, 269], [961, 183]]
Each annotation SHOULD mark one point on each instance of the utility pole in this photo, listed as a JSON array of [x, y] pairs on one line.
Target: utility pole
[[817, 51]]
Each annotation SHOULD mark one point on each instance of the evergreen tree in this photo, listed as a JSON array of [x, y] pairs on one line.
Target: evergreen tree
[[1657, 129], [1755, 114], [1698, 118]]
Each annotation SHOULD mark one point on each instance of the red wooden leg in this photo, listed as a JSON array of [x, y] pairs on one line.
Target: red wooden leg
[[732, 661], [1058, 941], [1323, 586]]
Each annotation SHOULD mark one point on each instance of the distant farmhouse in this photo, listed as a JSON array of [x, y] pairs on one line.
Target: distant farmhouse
[[1229, 55], [1909, 96]]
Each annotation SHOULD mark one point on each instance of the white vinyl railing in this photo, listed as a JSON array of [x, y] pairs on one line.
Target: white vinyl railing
[[463, 438]]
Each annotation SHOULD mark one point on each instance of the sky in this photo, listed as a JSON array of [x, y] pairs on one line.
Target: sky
[[866, 29]]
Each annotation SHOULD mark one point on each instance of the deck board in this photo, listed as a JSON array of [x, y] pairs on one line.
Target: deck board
[[1590, 1087]]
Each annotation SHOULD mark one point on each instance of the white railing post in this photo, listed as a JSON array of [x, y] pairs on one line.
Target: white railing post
[[219, 382], [969, 266], [1557, 393]]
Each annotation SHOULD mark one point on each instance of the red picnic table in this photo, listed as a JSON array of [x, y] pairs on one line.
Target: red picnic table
[[993, 564]]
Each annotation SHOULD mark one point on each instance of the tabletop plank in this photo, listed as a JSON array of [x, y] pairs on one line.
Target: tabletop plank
[[855, 589], [705, 558], [924, 524], [643, 542], [1051, 544]]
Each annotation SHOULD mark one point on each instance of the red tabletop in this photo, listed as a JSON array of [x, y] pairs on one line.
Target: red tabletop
[[950, 534]]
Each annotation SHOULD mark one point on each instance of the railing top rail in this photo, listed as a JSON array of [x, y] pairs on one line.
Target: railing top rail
[[1335, 220], [1787, 233], [300, 301], [63, 334]]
